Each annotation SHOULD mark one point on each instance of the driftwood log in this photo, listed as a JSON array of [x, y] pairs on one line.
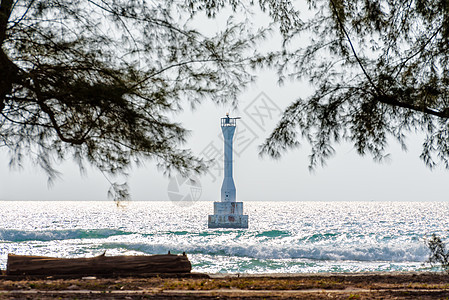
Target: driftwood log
[[99, 265]]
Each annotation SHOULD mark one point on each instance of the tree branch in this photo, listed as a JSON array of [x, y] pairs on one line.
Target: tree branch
[[51, 115], [381, 96], [16, 22], [26, 123], [5, 13], [392, 100], [340, 22], [45, 108], [8, 74], [402, 64]]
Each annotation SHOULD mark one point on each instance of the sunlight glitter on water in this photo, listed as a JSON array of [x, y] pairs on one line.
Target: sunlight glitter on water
[[288, 237]]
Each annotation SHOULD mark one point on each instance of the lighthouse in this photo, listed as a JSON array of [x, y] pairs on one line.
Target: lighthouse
[[228, 213]]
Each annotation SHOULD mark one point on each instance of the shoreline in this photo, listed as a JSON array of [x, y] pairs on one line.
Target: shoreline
[[193, 274], [373, 285], [238, 275]]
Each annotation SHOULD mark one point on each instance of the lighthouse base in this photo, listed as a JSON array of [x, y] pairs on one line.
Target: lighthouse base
[[228, 215]]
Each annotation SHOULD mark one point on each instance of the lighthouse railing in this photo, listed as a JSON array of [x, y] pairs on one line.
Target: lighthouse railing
[[228, 122]]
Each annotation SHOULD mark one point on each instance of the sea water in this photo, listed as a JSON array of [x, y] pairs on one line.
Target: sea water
[[283, 237]]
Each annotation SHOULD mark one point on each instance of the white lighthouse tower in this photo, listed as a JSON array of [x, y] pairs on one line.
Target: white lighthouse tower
[[228, 213]]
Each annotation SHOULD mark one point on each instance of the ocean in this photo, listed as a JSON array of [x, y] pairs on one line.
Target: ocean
[[283, 237]]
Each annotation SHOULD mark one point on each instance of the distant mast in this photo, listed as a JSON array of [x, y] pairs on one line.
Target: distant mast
[[228, 213]]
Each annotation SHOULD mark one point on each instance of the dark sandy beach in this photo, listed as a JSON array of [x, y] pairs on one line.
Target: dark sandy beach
[[209, 286]]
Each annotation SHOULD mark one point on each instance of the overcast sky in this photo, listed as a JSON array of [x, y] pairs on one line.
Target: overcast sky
[[347, 176]]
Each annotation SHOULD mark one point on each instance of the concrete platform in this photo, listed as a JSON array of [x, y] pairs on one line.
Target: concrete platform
[[228, 221], [228, 215]]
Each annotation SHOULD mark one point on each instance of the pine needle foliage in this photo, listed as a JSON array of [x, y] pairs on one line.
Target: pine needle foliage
[[99, 81], [379, 70], [438, 253]]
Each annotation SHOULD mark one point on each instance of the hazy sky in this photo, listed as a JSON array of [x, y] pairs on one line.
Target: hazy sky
[[346, 177]]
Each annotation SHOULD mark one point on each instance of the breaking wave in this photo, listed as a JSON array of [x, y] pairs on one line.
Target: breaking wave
[[306, 237], [12, 235]]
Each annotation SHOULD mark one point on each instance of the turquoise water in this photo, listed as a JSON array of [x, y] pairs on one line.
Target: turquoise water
[[289, 237]]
